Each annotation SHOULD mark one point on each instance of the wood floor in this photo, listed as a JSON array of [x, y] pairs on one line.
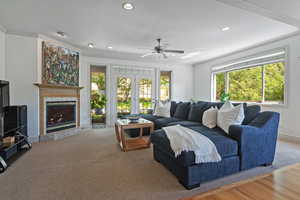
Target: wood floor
[[282, 184]]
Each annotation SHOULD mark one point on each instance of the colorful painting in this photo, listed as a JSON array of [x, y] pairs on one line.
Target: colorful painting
[[60, 65]]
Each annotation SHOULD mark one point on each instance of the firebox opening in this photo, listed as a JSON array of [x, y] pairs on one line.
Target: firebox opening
[[60, 115]]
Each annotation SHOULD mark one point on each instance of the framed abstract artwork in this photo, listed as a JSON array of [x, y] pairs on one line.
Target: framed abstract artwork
[[60, 65]]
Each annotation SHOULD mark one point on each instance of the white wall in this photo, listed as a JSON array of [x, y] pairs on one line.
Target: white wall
[[290, 113], [21, 72], [182, 80], [2, 54], [23, 63]]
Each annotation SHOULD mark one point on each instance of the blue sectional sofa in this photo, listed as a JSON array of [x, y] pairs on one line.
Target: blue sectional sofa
[[246, 146]]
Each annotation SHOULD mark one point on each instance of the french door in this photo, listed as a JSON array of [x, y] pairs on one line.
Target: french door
[[134, 92]]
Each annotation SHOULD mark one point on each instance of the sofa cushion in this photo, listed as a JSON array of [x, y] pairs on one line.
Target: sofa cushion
[[251, 113], [173, 108], [220, 104], [225, 145], [215, 104], [162, 122], [163, 109], [184, 123], [197, 110], [182, 110], [150, 117]]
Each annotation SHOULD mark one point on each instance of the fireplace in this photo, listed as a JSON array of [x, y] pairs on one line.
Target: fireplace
[[60, 115]]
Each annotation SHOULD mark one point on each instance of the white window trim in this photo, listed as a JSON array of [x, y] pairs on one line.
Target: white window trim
[[225, 67]]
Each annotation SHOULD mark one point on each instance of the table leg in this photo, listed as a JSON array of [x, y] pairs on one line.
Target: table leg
[[141, 132], [123, 139], [117, 131], [151, 131]]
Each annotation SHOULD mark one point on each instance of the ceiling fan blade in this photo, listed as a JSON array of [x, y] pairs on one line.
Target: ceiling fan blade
[[142, 48], [147, 54], [173, 51]]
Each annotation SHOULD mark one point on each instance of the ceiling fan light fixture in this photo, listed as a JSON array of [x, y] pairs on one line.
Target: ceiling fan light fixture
[[127, 6], [159, 51]]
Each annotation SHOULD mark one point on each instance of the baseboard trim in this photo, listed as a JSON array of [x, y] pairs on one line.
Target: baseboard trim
[[289, 138], [33, 139]]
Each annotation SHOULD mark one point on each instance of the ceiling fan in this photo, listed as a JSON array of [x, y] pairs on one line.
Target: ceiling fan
[[161, 50]]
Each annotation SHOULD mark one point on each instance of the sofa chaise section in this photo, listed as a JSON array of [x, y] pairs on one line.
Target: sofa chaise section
[[226, 146], [190, 174]]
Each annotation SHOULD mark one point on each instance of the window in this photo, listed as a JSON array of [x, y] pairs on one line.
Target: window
[[124, 100], [220, 84], [145, 95], [255, 80], [165, 85], [98, 94], [274, 82]]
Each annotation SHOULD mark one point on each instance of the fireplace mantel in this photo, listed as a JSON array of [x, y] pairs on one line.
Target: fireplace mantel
[[41, 85], [47, 91]]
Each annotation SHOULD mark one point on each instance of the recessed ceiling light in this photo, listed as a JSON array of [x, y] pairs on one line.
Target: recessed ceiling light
[[91, 45], [109, 47], [226, 28], [61, 34], [128, 6]]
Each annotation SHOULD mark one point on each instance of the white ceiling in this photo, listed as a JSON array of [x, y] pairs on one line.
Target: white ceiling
[[287, 7], [191, 25]]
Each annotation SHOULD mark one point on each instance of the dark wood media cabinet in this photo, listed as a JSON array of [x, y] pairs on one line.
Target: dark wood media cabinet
[[7, 154]]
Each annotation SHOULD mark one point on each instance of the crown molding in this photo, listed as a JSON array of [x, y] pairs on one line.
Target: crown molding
[[20, 33], [254, 8]]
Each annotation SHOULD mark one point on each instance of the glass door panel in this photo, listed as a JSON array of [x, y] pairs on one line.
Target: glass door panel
[[145, 95], [98, 95], [124, 96]]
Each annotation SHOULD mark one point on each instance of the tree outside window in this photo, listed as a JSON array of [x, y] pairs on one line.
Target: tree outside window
[[261, 84], [98, 94], [220, 85]]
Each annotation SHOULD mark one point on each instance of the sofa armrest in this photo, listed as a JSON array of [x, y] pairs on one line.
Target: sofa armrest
[[257, 141]]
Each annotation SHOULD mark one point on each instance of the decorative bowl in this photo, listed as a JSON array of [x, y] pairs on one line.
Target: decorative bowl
[[133, 118]]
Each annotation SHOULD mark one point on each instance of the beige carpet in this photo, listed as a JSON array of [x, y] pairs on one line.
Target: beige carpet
[[91, 166]]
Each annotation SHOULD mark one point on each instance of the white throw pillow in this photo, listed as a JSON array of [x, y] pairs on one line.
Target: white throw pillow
[[227, 105], [229, 115], [162, 110], [209, 118]]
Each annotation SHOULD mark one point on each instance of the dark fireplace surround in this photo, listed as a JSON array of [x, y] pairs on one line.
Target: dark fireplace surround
[[60, 115]]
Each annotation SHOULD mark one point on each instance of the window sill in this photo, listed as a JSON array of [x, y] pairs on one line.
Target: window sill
[[274, 104], [279, 105], [271, 104]]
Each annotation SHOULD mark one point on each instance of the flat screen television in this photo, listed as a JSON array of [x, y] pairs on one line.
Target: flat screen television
[[4, 101]]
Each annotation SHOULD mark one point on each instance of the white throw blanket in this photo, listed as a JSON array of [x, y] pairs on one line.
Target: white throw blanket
[[185, 139]]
